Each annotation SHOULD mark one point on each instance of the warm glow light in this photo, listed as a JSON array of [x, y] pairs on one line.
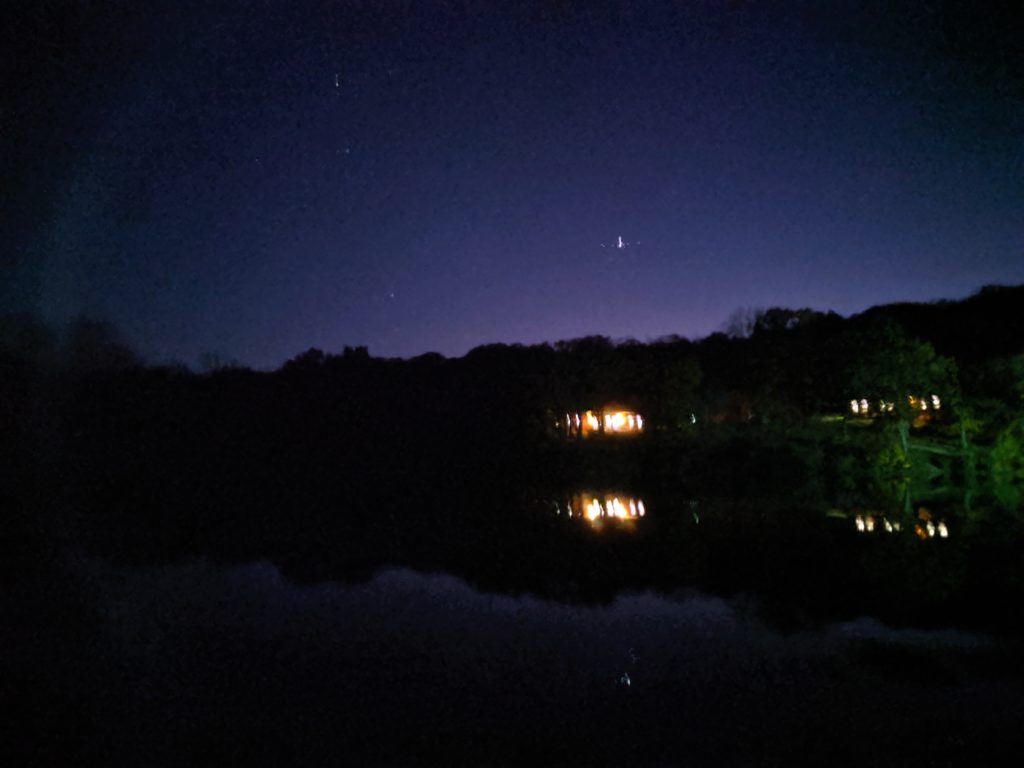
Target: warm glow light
[[855, 406], [607, 422], [936, 403], [943, 530], [605, 505], [622, 421]]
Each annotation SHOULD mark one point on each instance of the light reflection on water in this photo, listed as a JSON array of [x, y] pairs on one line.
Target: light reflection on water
[[616, 507], [597, 507]]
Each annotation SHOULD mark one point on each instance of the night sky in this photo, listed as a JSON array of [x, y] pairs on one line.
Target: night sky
[[258, 178]]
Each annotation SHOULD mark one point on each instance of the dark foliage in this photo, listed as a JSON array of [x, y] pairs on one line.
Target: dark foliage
[[337, 464]]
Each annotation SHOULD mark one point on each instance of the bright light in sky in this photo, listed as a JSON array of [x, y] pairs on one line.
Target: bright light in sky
[[208, 184]]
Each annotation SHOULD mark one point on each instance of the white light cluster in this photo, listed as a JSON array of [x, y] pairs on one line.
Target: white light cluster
[[863, 408], [868, 524], [926, 530]]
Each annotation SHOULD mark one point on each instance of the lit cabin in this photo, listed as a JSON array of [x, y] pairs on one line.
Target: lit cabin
[[927, 408], [610, 420]]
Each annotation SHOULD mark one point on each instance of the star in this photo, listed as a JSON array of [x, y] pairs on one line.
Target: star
[[619, 243]]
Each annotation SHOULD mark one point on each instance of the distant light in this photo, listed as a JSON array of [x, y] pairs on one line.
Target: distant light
[[595, 506]]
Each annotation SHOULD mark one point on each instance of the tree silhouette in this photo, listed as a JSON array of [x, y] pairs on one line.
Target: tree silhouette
[[91, 344]]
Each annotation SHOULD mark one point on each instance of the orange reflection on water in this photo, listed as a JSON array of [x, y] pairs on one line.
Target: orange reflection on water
[[612, 506]]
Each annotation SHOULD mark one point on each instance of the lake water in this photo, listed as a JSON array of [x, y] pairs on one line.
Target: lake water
[[235, 664]]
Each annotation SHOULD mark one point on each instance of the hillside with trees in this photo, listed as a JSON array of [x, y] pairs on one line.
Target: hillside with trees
[[337, 463]]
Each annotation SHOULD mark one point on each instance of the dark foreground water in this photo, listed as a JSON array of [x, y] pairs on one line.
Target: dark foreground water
[[195, 663]]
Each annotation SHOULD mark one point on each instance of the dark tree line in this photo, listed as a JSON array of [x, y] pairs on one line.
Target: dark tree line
[[358, 460]]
